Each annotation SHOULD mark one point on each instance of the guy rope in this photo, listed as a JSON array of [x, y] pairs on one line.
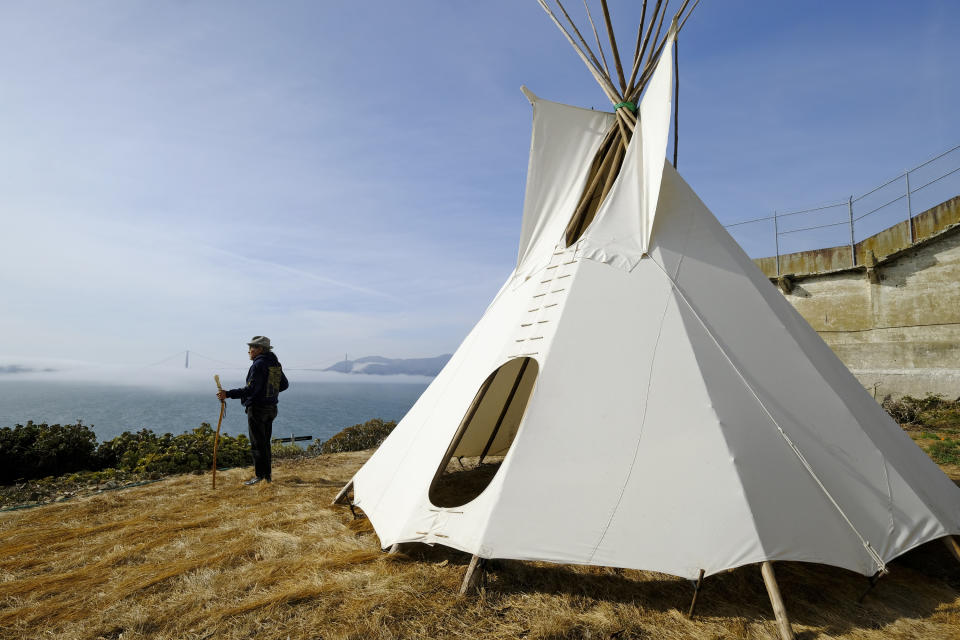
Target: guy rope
[[216, 440]]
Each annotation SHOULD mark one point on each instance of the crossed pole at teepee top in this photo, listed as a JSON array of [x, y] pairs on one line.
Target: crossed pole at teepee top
[[624, 95]]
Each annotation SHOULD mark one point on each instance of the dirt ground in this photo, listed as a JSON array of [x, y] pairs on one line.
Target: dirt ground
[[175, 559]]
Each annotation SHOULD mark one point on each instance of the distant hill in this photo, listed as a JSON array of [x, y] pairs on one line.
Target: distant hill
[[16, 368], [380, 366]]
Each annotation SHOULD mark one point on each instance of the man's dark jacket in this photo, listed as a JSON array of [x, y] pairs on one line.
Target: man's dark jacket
[[265, 381]]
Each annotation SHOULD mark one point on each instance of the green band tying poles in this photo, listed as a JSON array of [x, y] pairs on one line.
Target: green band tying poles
[[628, 105]]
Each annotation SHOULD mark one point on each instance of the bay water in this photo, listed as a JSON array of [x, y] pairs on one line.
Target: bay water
[[318, 409]]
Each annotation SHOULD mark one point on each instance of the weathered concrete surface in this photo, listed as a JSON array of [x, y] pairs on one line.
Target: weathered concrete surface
[[887, 242], [894, 319], [816, 261]]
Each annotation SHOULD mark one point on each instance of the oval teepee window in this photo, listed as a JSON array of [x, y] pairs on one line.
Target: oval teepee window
[[486, 432]]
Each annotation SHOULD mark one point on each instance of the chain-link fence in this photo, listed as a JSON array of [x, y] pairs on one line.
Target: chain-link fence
[[848, 221]]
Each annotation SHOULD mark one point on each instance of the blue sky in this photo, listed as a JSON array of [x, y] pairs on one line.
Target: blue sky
[[348, 177]]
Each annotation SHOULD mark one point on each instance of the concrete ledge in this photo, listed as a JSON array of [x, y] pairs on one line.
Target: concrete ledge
[[910, 382], [883, 246]]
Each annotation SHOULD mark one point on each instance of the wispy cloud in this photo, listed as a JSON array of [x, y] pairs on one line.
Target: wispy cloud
[[300, 273], [349, 177]]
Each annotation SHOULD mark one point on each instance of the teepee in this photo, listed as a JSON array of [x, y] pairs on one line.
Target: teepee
[[639, 395]]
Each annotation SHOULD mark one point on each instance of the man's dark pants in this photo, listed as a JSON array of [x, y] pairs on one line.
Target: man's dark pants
[[260, 427]]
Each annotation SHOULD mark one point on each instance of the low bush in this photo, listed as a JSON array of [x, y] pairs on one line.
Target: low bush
[[945, 451], [147, 452], [933, 411], [33, 451], [283, 451], [37, 450], [368, 435]]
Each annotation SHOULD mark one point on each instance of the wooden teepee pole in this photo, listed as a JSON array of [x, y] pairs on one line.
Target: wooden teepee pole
[[648, 70], [780, 611], [462, 429], [471, 576], [951, 543], [608, 159], [683, 8], [688, 13], [596, 63], [613, 47], [656, 36], [614, 170], [634, 90], [638, 59], [624, 132], [596, 35], [343, 493], [696, 593], [676, 103], [602, 160], [604, 82], [636, 51], [503, 412]]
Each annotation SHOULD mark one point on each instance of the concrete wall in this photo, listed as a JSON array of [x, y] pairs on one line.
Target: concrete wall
[[889, 241], [894, 319]]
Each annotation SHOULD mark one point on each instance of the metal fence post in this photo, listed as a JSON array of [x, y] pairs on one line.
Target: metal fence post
[[776, 240], [853, 250], [906, 175], [852, 220]]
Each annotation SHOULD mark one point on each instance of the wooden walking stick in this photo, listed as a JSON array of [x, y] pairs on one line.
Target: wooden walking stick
[[216, 440]]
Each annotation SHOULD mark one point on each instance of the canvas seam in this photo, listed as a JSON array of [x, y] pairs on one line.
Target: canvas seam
[[794, 321], [643, 422], [791, 320], [691, 225], [886, 477], [881, 565]]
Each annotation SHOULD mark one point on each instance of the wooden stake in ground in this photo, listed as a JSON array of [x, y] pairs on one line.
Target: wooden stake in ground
[[216, 440], [780, 611], [951, 543], [471, 576], [696, 592], [342, 496]]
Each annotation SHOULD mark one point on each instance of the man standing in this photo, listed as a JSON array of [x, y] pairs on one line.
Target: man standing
[[265, 381]]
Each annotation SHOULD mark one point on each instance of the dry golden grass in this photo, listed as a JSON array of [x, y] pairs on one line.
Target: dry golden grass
[[177, 560]]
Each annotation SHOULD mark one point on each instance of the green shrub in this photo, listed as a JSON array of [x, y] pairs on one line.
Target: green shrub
[[282, 451], [359, 437], [126, 450], [33, 451], [147, 452], [945, 451], [37, 450]]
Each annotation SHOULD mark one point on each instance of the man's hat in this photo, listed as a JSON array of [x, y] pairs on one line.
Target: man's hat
[[260, 341]]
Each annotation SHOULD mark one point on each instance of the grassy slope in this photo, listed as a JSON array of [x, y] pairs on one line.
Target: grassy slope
[[176, 560]]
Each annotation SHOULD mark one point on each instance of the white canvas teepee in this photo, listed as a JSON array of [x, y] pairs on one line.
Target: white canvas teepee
[[657, 403]]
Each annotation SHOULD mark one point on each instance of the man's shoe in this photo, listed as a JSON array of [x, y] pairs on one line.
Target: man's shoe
[[252, 481]]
